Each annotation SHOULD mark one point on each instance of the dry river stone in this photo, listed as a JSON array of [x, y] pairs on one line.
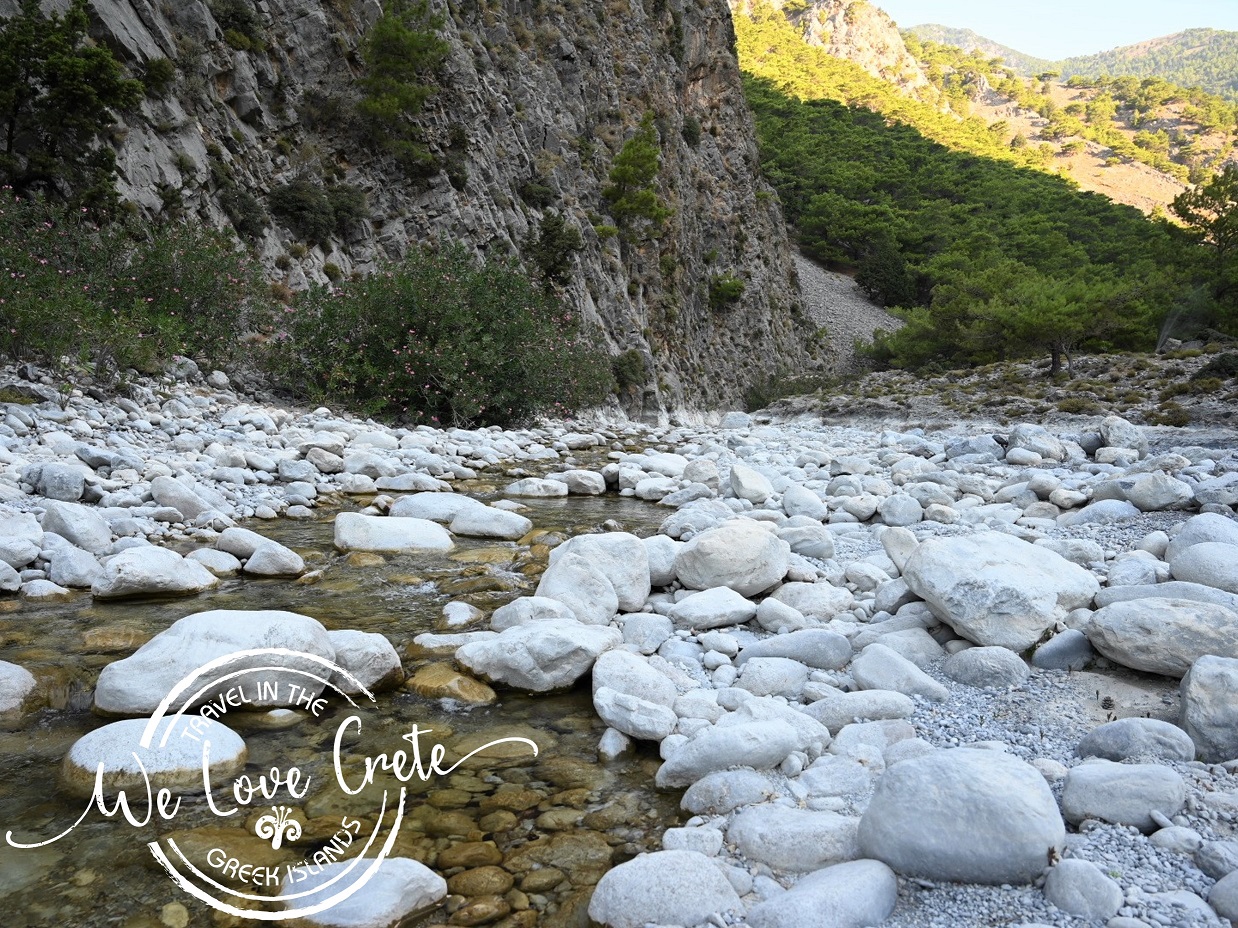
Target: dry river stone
[[1163, 636], [663, 888], [966, 815], [1127, 738], [848, 895], [539, 657], [1210, 708], [740, 554], [794, 840], [758, 745], [995, 589], [1122, 794]]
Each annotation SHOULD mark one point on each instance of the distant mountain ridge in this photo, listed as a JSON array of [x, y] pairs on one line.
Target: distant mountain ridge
[[969, 41], [1204, 58]]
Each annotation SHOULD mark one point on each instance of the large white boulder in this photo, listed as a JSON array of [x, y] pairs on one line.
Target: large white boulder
[[16, 683], [995, 589], [750, 484], [1207, 526], [1123, 794], [78, 524], [150, 570], [662, 888], [136, 684], [389, 534], [1163, 636], [400, 890], [1210, 708], [1211, 563], [972, 816], [763, 744], [575, 582], [855, 894], [368, 657], [739, 553], [620, 557], [539, 657], [176, 765]]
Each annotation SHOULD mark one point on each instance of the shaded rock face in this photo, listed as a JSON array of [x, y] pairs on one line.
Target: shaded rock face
[[526, 100]]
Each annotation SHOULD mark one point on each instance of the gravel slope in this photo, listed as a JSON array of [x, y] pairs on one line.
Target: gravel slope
[[834, 301]]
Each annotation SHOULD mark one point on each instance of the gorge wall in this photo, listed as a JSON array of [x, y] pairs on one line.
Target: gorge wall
[[533, 103]]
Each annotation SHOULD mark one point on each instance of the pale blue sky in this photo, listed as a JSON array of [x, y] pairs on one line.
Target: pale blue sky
[[1061, 28]]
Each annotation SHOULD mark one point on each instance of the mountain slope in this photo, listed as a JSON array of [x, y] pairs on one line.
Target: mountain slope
[[533, 105], [1206, 58], [971, 41]]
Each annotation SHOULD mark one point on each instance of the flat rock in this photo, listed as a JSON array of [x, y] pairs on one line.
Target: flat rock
[[1135, 737], [1163, 636], [150, 570], [963, 815], [739, 554], [483, 521], [529, 609], [995, 589], [389, 534], [137, 684], [175, 765], [662, 888], [814, 600], [855, 894], [794, 840], [1122, 794], [540, 657]]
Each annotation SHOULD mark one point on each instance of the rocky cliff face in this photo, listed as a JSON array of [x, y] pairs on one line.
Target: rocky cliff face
[[534, 102], [857, 31]]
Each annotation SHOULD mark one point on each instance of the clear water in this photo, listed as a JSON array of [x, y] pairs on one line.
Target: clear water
[[103, 874]]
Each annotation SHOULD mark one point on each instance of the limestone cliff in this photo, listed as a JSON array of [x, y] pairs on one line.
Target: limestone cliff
[[858, 31], [534, 102]]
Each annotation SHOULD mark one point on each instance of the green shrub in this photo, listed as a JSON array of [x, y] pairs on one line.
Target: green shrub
[[551, 249], [333, 271], [1078, 405], [725, 291], [439, 338], [158, 76], [629, 369], [691, 131], [314, 212], [537, 193], [1224, 366], [1170, 413], [124, 296], [240, 23]]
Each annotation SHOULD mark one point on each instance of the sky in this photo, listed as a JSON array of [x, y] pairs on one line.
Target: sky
[[1057, 29]]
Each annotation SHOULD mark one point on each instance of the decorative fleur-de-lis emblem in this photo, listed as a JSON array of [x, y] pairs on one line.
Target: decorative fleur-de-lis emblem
[[274, 827]]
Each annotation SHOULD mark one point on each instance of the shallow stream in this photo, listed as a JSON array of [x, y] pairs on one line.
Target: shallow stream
[[557, 821]]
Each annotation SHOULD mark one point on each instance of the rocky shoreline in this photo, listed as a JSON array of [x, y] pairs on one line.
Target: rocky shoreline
[[969, 677]]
